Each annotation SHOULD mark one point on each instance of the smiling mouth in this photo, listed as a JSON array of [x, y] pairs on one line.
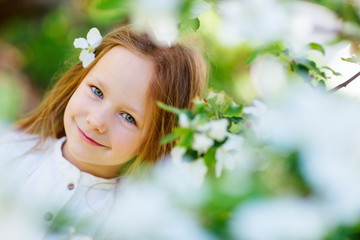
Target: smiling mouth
[[88, 140]]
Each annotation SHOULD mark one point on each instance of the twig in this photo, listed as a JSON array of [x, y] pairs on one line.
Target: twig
[[344, 84]]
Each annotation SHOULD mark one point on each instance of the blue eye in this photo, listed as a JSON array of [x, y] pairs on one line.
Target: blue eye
[[128, 118], [97, 92]]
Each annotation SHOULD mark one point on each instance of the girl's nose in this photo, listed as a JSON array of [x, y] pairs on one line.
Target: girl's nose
[[97, 120]]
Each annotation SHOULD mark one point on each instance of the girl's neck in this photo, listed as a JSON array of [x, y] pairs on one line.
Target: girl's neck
[[106, 172]]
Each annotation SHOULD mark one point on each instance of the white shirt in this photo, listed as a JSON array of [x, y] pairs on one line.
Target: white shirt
[[53, 190]]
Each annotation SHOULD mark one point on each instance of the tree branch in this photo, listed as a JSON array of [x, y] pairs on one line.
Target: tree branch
[[344, 84]]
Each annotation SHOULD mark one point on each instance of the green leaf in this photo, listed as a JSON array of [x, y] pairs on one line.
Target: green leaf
[[332, 70], [200, 107], [186, 140], [169, 138], [191, 155], [236, 119], [182, 131], [108, 11], [274, 49], [109, 4], [169, 108], [306, 68], [236, 127], [233, 111], [352, 59], [194, 24], [209, 157], [213, 108], [321, 84], [318, 47]]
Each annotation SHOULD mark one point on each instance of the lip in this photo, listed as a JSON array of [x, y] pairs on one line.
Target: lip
[[88, 140]]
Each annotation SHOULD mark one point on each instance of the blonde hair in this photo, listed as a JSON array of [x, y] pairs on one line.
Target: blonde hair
[[179, 75]]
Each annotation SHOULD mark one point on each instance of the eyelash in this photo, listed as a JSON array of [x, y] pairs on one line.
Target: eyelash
[[99, 94]]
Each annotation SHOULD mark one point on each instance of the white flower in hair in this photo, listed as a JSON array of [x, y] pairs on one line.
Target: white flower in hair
[[92, 41]]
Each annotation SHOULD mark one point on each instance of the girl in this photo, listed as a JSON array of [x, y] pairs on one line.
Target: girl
[[67, 155]]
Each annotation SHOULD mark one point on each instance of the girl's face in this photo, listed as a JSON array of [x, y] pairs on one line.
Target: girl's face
[[104, 119]]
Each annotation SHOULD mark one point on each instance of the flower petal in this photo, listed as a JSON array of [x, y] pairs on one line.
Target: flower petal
[[197, 170], [219, 155], [184, 121], [198, 7], [201, 143], [94, 37], [234, 142], [86, 58], [81, 43], [177, 154], [165, 30], [218, 129]]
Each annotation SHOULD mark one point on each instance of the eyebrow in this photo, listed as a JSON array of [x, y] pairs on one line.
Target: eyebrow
[[137, 112]]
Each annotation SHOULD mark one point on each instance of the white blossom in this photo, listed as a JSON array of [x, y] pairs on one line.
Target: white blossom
[[215, 129], [162, 17], [198, 7], [268, 77], [258, 110], [195, 171], [139, 210], [183, 180], [184, 120], [283, 218], [211, 95], [80, 237], [261, 22], [177, 153], [201, 143], [256, 21], [228, 153], [310, 22], [74, 236], [92, 41], [324, 130], [192, 171], [218, 129]]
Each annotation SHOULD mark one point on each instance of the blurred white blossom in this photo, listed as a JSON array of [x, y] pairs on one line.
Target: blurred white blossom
[[177, 154], [144, 211], [283, 218], [261, 22], [159, 18], [216, 129], [259, 109], [74, 236], [268, 77], [184, 120], [162, 17], [256, 21], [201, 142], [192, 172], [198, 7], [324, 129], [228, 153], [177, 178], [310, 22]]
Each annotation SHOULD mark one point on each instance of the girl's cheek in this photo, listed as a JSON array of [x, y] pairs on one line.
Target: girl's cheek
[[126, 136]]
